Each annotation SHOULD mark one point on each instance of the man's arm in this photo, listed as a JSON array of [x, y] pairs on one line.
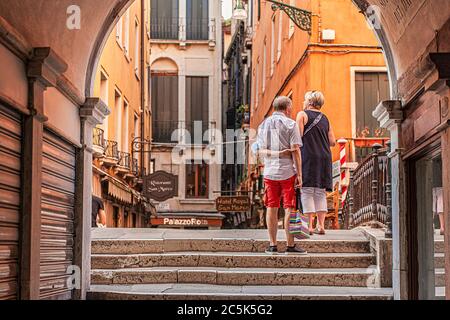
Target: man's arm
[[297, 155], [296, 143]]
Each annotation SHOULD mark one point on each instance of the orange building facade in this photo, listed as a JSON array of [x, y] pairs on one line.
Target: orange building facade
[[341, 57], [120, 84]]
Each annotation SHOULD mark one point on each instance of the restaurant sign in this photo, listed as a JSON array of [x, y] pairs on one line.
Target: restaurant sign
[[161, 186], [233, 204]]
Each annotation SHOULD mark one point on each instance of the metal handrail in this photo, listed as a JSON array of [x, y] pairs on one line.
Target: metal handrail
[[367, 199]]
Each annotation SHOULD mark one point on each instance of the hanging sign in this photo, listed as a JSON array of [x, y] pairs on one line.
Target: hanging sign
[[161, 186]]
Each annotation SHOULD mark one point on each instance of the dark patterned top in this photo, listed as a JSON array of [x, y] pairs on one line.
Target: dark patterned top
[[317, 166]]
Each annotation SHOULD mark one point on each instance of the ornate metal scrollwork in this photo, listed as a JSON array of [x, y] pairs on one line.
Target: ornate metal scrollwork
[[301, 18], [139, 144]]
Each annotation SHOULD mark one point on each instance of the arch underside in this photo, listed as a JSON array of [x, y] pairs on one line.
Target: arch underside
[[407, 30]]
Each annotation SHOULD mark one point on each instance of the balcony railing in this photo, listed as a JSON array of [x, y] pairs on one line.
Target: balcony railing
[[368, 194], [168, 28], [191, 132], [111, 149], [99, 138], [135, 167], [163, 130], [124, 160], [165, 28], [197, 29]]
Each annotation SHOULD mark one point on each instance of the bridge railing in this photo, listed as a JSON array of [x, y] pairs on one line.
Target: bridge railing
[[369, 191]]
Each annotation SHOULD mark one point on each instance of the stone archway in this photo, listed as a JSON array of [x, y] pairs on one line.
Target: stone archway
[[54, 87]]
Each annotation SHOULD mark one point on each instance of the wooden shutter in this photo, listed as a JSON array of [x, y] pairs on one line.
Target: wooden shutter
[[165, 106], [197, 19], [57, 220], [164, 19], [197, 104], [371, 89], [10, 186]]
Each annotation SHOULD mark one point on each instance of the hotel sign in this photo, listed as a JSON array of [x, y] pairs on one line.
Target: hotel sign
[[161, 186], [233, 204]]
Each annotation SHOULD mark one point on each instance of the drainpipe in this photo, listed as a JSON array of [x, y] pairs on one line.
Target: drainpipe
[[142, 72]]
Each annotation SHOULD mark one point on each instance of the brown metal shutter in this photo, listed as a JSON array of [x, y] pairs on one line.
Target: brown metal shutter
[[10, 181], [57, 230]]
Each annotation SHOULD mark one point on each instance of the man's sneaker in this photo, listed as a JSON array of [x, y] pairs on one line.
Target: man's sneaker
[[272, 250], [296, 250]]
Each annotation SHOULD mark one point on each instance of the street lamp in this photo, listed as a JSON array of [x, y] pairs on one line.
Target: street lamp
[[239, 12], [301, 18]]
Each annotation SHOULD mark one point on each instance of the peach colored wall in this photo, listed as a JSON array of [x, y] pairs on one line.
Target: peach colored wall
[[326, 66], [292, 50]]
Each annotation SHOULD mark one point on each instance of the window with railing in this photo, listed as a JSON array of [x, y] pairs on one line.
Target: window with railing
[[164, 22], [163, 130], [197, 20], [370, 89], [190, 132]]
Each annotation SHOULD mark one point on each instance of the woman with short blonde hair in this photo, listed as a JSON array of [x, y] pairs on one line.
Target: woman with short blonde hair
[[318, 138]]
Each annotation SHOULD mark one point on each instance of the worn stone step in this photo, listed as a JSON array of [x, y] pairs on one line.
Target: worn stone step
[[439, 277], [239, 276], [439, 261], [440, 293], [220, 292], [233, 260], [127, 246], [439, 246]]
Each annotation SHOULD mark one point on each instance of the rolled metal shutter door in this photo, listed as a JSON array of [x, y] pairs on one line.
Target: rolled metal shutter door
[[10, 182], [57, 227]]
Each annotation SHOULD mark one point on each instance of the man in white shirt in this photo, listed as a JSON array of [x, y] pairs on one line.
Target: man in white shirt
[[279, 143]]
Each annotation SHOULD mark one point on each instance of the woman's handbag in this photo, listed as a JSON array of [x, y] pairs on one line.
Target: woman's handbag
[[298, 222]]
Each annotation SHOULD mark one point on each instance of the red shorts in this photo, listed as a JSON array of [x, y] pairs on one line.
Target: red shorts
[[274, 190]]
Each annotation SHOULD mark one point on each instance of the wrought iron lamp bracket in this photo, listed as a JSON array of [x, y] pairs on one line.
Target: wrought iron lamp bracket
[[301, 18], [139, 145]]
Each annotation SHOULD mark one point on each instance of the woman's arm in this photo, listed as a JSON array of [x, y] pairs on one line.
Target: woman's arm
[[331, 137], [302, 120]]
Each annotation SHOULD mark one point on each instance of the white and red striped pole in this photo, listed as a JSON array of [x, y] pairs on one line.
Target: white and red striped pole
[[343, 160]]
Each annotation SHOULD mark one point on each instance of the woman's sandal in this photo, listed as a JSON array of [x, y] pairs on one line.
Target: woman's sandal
[[321, 232]]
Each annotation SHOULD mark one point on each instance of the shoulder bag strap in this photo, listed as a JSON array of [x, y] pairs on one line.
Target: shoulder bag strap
[[315, 123]]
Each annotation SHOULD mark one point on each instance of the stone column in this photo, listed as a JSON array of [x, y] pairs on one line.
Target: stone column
[[42, 71], [390, 116], [446, 187], [441, 85], [93, 112]]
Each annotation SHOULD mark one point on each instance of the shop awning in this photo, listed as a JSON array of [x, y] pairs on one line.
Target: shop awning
[[120, 191]]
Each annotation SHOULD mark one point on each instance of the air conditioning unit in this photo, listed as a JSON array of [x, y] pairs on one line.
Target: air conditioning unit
[[329, 35]]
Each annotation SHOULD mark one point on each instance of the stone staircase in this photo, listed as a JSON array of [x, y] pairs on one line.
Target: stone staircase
[[439, 264], [230, 264]]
